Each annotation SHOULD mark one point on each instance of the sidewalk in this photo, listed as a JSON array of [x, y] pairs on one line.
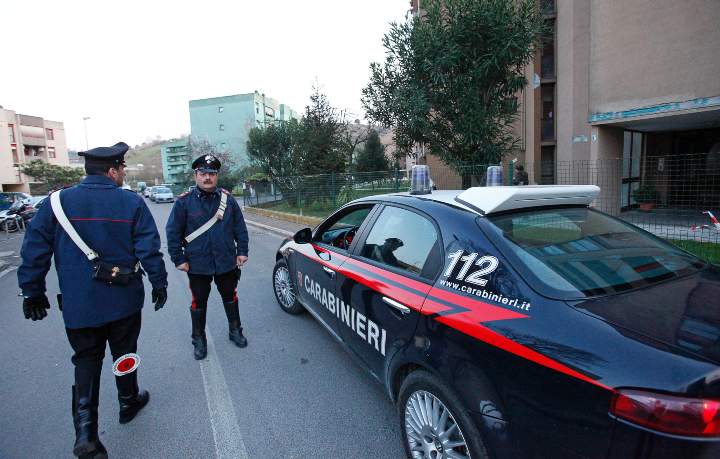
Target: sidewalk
[[286, 228]]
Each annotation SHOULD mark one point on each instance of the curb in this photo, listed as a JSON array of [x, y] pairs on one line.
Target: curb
[[279, 231], [293, 218]]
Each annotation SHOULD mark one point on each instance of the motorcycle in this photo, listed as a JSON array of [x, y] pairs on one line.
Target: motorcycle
[[16, 217]]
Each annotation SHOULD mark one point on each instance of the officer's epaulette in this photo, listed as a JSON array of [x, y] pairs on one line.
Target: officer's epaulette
[[225, 191], [182, 195]]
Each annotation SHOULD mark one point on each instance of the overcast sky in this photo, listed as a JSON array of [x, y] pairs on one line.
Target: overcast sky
[[132, 66]]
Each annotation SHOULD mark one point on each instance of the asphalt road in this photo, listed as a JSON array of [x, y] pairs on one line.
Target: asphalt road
[[292, 393]]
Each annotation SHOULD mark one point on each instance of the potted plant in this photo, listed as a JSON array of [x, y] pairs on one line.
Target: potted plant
[[646, 196]]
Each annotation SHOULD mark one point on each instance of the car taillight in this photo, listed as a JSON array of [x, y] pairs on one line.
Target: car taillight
[[668, 413]]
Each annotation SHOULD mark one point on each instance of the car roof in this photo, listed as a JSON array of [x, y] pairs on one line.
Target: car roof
[[488, 200]]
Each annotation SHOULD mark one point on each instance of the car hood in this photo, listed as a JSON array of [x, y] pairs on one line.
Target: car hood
[[163, 195], [681, 315]]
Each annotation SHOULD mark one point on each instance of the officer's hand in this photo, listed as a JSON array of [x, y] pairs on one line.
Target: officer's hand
[[183, 267], [159, 297], [34, 308], [241, 260]]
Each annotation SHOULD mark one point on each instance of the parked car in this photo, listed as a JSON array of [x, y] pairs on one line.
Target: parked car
[[162, 194], [37, 201], [147, 191], [517, 322], [8, 198]]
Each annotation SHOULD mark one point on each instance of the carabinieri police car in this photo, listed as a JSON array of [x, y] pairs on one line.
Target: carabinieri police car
[[517, 322]]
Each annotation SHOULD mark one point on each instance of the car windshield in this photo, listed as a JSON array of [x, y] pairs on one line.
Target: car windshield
[[578, 252], [162, 190]]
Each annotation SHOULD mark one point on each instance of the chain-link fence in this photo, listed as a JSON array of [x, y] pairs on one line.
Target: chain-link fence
[[674, 197]]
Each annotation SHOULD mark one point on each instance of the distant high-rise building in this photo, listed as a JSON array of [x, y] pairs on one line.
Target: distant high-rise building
[[25, 138], [175, 161], [225, 122]]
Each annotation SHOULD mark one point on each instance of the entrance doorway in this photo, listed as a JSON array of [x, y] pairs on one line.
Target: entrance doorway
[[633, 143]]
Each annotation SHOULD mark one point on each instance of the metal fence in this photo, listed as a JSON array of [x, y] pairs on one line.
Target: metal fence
[[673, 197]]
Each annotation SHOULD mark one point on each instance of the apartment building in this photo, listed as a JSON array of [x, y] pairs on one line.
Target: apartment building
[[176, 161], [24, 138], [625, 94], [225, 122]]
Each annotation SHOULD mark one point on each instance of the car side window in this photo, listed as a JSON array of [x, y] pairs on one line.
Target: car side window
[[341, 231], [403, 239]]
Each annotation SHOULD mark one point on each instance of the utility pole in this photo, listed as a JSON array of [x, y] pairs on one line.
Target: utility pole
[[85, 118]]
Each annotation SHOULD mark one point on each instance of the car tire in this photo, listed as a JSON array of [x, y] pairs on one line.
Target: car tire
[[284, 288], [416, 390]]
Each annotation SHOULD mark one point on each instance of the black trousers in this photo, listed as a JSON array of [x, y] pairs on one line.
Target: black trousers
[[89, 346], [200, 285]]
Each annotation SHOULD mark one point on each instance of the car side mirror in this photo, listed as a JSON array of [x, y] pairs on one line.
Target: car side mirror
[[303, 236]]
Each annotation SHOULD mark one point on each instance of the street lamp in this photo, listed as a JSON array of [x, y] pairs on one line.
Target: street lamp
[[85, 118]]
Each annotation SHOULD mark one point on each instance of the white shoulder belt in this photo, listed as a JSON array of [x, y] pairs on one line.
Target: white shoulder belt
[[70, 230], [208, 224], [67, 226]]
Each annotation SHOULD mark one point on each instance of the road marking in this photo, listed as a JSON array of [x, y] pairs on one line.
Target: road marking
[[226, 432], [2, 274], [282, 232]]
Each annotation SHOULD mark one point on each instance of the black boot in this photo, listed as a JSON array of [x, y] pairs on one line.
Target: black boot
[[85, 399], [131, 399], [235, 330], [198, 333]]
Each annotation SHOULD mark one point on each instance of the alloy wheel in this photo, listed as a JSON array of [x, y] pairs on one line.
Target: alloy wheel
[[432, 432], [283, 287]]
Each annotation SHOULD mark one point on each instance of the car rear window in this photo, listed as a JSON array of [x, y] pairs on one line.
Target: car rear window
[[579, 252]]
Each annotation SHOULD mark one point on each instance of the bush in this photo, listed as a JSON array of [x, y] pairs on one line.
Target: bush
[[646, 194]]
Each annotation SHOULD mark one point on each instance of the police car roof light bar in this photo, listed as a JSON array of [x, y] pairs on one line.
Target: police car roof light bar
[[488, 200], [420, 180]]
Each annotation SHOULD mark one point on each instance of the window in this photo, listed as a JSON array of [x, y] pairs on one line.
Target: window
[[402, 239], [223, 145], [548, 107], [221, 127], [341, 231], [49, 134], [11, 129], [51, 152], [578, 252], [16, 160], [221, 109]]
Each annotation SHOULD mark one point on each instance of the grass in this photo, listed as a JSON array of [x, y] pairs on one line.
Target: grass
[[323, 207], [705, 250]]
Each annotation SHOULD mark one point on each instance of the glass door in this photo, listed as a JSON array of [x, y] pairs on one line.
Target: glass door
[[632, 154]]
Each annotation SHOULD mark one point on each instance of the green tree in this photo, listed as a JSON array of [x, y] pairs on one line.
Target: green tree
[[271, 148], [451, 77], [372, 157], [318, 145], [51, 176]]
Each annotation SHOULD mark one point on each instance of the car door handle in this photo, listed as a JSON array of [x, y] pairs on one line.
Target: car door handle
[[394, 304], [329, 272]]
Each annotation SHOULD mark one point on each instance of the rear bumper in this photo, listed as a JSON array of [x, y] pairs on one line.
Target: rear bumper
[[630, 441]]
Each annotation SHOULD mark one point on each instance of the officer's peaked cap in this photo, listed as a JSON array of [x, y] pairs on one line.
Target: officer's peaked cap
[[114, 154], [206, 163]]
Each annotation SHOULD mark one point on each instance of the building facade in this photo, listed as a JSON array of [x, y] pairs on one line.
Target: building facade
[[225, 122], [25, 138], [176, 161], [624, 95]]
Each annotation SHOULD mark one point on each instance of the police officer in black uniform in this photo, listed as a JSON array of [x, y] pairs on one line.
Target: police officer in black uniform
[[208, 239], [101, 298]]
